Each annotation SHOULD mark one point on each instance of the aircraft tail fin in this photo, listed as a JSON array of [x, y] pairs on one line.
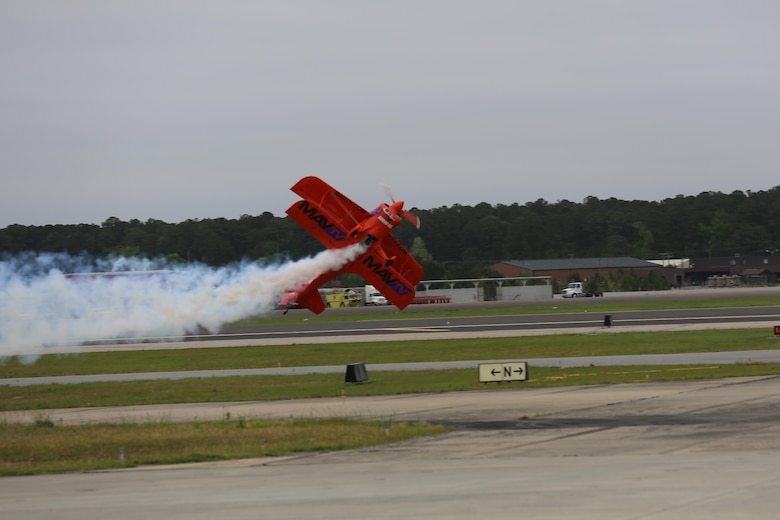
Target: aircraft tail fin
[[311, 299]]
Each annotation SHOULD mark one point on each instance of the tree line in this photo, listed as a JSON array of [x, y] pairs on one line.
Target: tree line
[[453, 242]]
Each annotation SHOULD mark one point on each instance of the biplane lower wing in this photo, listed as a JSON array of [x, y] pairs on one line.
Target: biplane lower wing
[[387, 278], [403, 262], [398, 286]]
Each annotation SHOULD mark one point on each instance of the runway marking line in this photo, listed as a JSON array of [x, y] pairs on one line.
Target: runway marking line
[[414, 329]]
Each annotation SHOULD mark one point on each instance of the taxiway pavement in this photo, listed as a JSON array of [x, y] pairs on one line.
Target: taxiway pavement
[[701, 449]]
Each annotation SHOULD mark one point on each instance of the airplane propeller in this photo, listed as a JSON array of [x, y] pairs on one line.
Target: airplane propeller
[[411, 217]]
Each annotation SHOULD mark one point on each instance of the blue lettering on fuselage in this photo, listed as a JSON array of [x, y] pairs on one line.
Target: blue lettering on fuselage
[[386, 275], [315, 215]]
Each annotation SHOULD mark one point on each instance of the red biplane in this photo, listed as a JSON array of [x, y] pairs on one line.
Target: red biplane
[[337, 222]]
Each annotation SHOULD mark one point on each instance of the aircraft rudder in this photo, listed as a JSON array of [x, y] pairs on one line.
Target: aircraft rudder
[[311, 299]]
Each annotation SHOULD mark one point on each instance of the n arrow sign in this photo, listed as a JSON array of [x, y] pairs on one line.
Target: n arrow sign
[[497, 372]]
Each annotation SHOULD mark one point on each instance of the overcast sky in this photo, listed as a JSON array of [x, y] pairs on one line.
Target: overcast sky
[[178, 110]]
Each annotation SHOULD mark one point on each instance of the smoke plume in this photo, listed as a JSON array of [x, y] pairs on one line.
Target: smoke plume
[[41, 306]]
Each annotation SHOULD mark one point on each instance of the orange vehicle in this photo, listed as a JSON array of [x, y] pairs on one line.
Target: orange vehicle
[[289, 300]]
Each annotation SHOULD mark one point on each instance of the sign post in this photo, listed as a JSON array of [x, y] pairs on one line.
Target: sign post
[[499, 372]]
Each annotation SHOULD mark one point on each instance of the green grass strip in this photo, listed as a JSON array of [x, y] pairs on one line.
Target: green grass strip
[[522, 347], [273, 388], [45, 447]]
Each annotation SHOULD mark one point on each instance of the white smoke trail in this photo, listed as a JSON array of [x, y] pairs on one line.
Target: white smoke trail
[[40, 306]]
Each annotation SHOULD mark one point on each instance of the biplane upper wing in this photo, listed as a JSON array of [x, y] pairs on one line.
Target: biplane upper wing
[[325, 212], [396, 281], [332, 200]]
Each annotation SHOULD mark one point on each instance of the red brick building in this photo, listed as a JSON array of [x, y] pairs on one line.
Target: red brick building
[[584, 268]]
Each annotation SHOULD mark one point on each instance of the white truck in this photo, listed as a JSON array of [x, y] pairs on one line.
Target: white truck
[[374, 297], [575, 290]]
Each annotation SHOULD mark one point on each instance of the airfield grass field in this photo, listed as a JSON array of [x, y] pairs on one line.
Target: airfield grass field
[[44, 446]]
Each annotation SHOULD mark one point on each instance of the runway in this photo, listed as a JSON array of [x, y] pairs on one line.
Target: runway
[[703, 449]]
